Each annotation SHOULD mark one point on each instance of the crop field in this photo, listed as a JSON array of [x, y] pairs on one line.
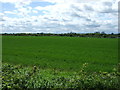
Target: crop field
[[53, 62], [64, 53]]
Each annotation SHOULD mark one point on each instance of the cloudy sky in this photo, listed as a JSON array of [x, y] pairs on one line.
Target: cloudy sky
[[59, 16]]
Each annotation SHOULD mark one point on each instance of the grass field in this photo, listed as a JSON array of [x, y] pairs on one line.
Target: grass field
[[65, 53]]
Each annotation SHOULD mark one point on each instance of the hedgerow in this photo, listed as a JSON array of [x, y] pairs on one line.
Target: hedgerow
[[20, 77]]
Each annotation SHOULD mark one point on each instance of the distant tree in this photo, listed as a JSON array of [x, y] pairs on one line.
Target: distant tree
[[112, 33], [103, 32], [97, 32]]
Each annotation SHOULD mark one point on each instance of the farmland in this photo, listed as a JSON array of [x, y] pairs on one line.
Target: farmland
[[59, 62], [67, 53]]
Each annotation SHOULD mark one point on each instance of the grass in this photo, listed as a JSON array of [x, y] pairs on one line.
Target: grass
[[64, 53], [52, 62]]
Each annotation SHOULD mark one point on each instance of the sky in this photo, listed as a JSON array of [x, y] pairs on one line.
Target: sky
[[58, 16]]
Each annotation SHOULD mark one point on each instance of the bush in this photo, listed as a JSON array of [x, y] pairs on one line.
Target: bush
[[19, 77]]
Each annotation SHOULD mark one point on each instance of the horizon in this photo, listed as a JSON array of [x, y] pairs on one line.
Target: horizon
[[58, 33]]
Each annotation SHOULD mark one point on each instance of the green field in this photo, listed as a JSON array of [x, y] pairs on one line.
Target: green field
[[53, 62], [65, 53]]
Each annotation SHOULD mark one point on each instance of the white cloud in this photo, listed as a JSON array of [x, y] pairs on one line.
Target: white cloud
[[34, 11], [64, 16], [9, 12]]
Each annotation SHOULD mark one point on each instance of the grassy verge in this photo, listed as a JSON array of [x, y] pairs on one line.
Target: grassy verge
[[21, 77]]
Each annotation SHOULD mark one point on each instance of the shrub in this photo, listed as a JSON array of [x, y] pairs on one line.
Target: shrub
[[19, 77]]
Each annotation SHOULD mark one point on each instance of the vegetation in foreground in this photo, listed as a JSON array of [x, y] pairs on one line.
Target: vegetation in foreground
[[19, 77], [56, 62]]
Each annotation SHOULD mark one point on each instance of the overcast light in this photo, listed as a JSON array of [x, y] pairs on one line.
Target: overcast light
[[59, 16]]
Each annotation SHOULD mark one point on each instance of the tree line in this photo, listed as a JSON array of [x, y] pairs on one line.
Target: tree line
[[71, 34]]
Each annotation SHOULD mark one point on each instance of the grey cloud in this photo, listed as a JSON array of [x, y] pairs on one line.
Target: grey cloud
[[35, 20], [65, 20], [87, 19], [108, 7], [51, 19], [85, 8], [27, 21], [88, 8], [1, 19], [92, 26], [108, 10], [76, 15], [110, 25], [75, 8], [107, 3]]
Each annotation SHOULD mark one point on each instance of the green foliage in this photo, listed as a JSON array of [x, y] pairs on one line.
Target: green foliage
[[71, 34], [19, 77], [59, 62], [68, 53]]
